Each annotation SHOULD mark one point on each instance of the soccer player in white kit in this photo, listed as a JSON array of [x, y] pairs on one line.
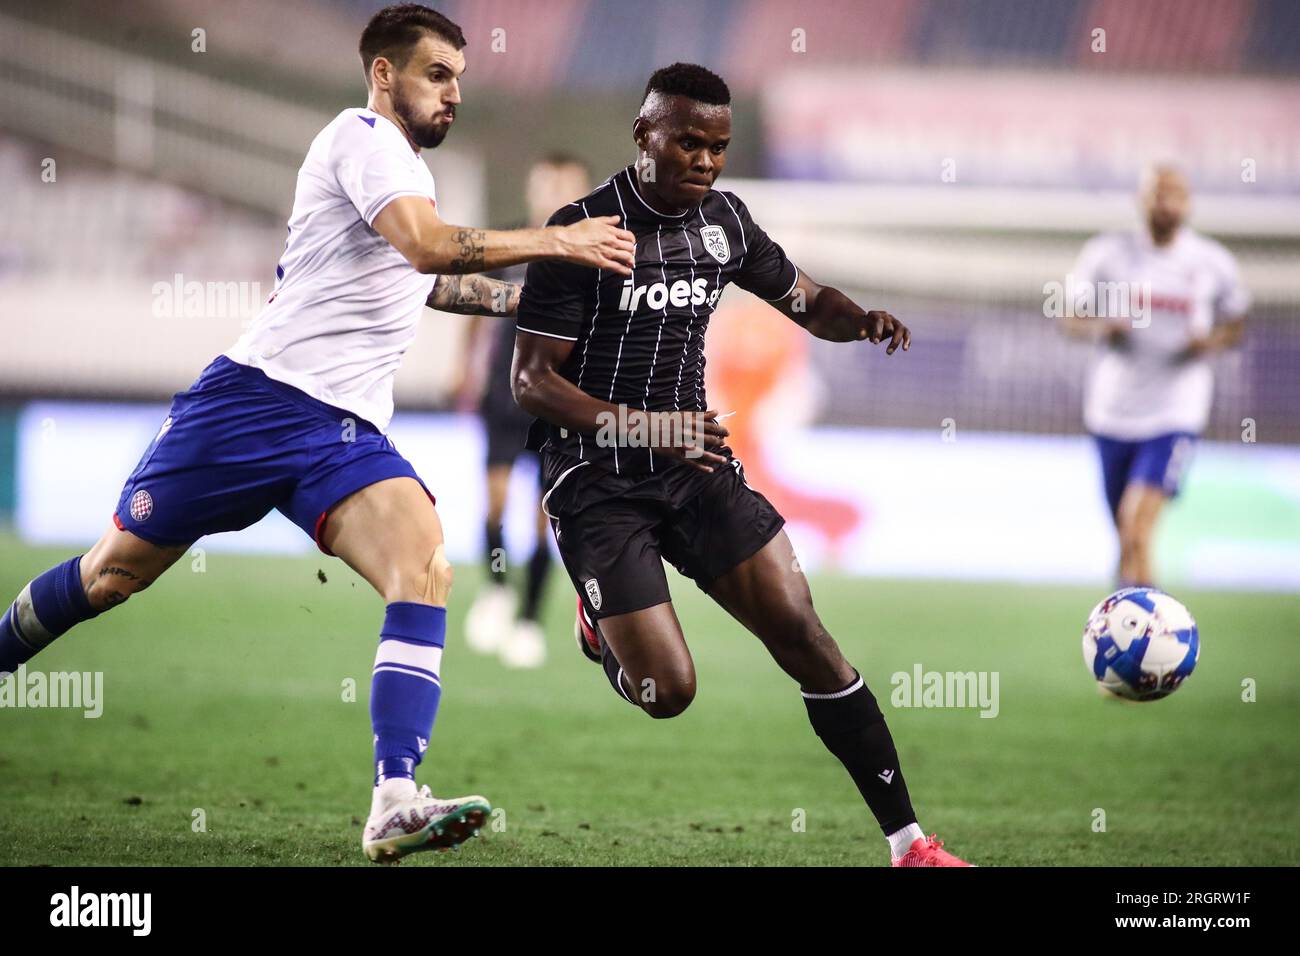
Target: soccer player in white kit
[[293, 416], [1148, 394]]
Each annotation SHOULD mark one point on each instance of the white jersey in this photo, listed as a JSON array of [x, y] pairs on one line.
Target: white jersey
[[1143, 391], [346, 302]]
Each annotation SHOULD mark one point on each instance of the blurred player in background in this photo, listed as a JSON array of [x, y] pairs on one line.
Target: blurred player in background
[[1148, 395], [293, 416], [595, 348], [491, 626]]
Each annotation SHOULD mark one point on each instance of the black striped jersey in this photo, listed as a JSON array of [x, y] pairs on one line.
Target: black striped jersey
[[639, 340]]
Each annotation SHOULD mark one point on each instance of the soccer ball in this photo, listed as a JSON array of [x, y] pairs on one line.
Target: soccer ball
[[1140, 644]]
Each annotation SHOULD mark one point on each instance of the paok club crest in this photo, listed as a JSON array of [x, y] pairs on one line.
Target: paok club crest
[[715, 243], [593, 593]]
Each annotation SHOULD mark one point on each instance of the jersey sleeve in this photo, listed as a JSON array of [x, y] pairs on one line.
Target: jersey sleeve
[[1087, 271], [1231, 297], [766, 271], [371, 170], [1087, 268], [554, 298]]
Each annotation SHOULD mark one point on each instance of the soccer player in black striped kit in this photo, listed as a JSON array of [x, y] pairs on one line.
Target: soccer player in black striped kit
[[603, 361]]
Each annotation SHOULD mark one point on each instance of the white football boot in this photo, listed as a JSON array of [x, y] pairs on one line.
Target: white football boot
[[525, 647], [405, 824], [488, 623]]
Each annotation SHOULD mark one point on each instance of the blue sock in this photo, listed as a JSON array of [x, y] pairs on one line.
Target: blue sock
[[46, 608], [405, 687]]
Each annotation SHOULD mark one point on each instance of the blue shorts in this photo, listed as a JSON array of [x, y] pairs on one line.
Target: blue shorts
[[238, 444], [1160, 462]]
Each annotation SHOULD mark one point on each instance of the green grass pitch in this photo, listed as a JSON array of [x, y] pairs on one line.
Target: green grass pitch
[[224, 692]]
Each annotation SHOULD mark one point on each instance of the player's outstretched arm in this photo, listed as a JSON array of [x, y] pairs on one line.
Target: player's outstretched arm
[[433, 246], [473, 295], [829, 314], [541, 390], [1114, 331]]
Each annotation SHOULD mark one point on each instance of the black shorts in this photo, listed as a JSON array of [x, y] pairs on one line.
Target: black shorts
[[615, 531], [505, 426]]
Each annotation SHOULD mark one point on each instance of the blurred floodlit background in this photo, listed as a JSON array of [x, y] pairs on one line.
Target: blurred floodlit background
[[943, 159]]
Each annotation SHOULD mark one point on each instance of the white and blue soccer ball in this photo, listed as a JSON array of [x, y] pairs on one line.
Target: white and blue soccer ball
[[1140, 644]]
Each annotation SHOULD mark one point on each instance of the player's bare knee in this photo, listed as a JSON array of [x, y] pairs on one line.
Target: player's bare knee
[[440, 576], [421, 580], [442, 570], [1132, 534], [1132, 540], [662, 700]]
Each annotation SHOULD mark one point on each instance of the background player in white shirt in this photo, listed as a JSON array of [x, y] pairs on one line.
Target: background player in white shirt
[[1149, 391], [293, 416]]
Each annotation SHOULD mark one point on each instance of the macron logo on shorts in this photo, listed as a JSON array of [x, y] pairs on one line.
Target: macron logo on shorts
[[166, 426]]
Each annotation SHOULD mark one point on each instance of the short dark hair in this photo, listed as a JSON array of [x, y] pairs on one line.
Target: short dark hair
[[689, 80], [560, 158], [394, 30]]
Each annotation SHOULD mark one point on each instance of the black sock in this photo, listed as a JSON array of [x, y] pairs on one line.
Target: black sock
[[538, 565], [614, 672], [852, 727], [496, 553]]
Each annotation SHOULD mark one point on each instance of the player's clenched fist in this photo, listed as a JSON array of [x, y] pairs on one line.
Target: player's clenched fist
[[597, 242]]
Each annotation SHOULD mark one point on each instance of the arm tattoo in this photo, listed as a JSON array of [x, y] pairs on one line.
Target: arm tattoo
[[469, 250], [473, 295]]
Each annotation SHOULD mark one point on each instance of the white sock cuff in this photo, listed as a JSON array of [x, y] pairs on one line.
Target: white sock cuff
[[417, 660], [857, 684], [900, 841]]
